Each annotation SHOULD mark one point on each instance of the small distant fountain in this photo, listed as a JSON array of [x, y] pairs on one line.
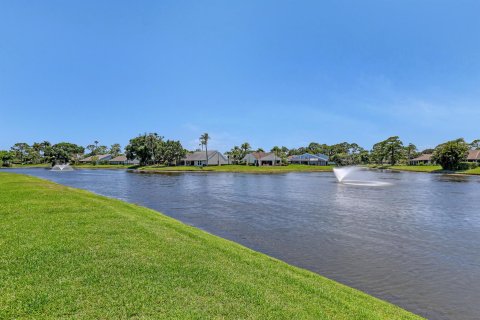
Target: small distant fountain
[[342, 173], [62, 167]]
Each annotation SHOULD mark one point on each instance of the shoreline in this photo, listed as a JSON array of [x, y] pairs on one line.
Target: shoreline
[[250, 169], [441, 172]]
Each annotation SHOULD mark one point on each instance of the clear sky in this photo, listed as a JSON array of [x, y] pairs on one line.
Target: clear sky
[[266, 72]]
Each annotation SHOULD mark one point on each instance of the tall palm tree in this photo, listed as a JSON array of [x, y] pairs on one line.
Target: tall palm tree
[[246, 148], [204, 141], [411, 150], [276, 151]]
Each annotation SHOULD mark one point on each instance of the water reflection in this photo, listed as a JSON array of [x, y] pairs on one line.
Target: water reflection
[[415, 243]]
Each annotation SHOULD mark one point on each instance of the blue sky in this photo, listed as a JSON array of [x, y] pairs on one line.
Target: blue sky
[[266, 72]]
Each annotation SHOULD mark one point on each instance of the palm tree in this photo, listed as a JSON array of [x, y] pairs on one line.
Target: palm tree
[[276, 151], [411, 150], [204, 141], [246, 148]]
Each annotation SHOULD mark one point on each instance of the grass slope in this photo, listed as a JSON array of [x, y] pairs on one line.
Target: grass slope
[[240, 168], [67, 253]]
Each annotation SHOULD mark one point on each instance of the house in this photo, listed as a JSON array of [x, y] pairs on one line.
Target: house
[[198, 158], [473, 156], [309, 159], [123, 161], [98, 158], [253, 158], [270, 159], [422, 159], [262, 159]]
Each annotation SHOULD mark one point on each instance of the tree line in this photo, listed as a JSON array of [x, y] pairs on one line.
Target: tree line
[[153, 149], [450, 155]]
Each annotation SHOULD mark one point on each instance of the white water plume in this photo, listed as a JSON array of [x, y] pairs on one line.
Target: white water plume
[[62, 167], [342, 173]]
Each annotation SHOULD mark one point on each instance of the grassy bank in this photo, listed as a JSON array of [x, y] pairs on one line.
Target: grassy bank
[[67, 253], [40, 165], [78, 166], [409, 168], [239, 168], [428, 169]]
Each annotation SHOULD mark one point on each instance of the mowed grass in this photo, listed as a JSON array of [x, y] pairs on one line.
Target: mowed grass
[[68, 253], [39, 165], [475, 171], [409, 168], [240, 168], [428, 169]]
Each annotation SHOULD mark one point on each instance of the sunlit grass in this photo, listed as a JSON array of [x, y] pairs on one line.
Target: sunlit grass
[[67, 253], [426, 168]]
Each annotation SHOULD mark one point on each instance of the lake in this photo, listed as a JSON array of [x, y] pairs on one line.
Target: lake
[[414, 242]]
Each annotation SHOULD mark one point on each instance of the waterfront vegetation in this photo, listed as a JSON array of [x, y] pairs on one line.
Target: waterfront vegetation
[[68, 253], [153, 153], [426, 168], [239, 168]]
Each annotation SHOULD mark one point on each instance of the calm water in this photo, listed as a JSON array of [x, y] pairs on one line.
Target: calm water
[[415, 243]]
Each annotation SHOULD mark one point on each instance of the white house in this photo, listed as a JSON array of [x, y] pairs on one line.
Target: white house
[[262, 159], [422, 159], [198, 158], [253, 158]]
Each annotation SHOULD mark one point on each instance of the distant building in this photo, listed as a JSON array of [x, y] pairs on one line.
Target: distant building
[[123, 161], [309, 159], [98, 158], [473, 156], [199, 159], [253, 158], [423, 159], [262, 159]]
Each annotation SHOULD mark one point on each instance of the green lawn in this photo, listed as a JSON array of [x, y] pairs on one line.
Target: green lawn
[[40, 165], [240, 168], [475, 171], [409, 168], [78, 166], [437, 169], [67, 253]]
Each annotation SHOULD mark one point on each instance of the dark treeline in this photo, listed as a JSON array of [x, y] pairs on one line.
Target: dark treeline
[[151, 149]]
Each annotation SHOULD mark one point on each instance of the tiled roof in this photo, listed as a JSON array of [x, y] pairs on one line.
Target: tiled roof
[[119, 158], [423, 157], [200, 155], [258, 155], [473, 155]]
